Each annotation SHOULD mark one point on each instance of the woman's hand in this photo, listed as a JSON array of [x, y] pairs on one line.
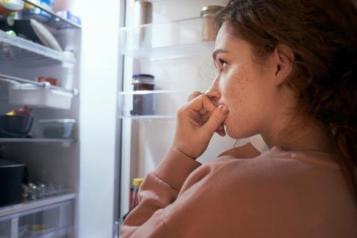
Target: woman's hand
[[196, 123]]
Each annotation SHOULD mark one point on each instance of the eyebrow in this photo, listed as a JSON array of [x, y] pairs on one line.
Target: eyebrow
[[216, 52]]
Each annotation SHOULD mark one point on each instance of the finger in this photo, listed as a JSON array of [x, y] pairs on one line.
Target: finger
[[202, 104], [194, 95], [220, 130], [217, 118]]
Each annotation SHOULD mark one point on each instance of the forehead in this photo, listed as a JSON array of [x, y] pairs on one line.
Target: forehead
[[226, 40]]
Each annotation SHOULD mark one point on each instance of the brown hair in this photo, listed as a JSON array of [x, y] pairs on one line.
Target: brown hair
[[322, 35]]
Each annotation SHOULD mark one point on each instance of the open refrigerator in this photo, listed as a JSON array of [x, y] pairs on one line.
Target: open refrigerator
[[171, 47], [48, 205]]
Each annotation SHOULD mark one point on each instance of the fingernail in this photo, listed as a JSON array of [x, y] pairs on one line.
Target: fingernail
[[223, 108]]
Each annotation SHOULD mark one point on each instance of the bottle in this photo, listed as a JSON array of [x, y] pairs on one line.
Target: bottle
[[134, 201], [209, 27], [143, 104]]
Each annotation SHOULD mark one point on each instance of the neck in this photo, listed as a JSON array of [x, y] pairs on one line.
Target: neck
[[299, 134]]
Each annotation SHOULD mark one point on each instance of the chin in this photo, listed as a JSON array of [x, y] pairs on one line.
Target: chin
[[237, 133]]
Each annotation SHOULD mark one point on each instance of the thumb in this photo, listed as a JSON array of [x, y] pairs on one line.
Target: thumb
[[216, 119]]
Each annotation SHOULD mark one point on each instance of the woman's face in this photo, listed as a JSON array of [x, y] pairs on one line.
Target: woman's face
[[245, 86]]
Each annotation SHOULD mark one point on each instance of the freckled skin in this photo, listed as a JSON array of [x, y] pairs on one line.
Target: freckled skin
[[244, 86]]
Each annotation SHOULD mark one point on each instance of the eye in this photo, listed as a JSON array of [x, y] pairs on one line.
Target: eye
[[222, 64]]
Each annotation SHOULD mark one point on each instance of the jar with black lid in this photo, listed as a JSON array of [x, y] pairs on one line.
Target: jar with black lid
[[143, 103]]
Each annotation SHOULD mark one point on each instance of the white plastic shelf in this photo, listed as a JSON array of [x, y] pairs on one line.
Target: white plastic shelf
[[156, 104], [175, 39], [32, 206], [12, 79], [36, 140], [17, 51]]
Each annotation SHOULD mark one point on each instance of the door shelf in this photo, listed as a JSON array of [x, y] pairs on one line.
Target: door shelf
[[175, 39], [21, 52], [151, 104], [33, 206], [56, 21]]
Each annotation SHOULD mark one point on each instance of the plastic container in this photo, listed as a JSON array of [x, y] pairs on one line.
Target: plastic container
[[56, 128], [17, 126], [31, 95], [9, 6]]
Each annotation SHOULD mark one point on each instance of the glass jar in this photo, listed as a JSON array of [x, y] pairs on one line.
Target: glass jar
[[143, 104], [209, 27]]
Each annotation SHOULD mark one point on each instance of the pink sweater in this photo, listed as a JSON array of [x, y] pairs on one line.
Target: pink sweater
[[277, 194]]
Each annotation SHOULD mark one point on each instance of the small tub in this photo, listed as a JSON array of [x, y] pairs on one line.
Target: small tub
[[57, 128]]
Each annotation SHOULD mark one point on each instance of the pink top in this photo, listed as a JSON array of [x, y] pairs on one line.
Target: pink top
[[277, 194]]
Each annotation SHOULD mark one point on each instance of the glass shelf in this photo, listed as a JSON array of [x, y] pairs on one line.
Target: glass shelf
[[17, 51], [36, 140], [23, 208], [156, 104], [175, 39], [56, 21]]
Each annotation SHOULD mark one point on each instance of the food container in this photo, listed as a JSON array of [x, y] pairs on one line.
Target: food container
[[143, 104], [31, 11], [11, 177], [17, 126], [56, 128], [209, 27], [142, 16], [32, 95], [9, 6]]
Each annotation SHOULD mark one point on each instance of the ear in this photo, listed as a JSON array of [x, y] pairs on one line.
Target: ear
[[283, 63]]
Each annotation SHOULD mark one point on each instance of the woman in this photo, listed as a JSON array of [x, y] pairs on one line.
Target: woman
[[286, 69]]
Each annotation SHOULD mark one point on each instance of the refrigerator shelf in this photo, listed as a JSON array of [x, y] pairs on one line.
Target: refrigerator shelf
[[36, 140], [57, 22], [151, 104], [12, 79], [149, 117], [33, 206], [22, 52], [174, 39]]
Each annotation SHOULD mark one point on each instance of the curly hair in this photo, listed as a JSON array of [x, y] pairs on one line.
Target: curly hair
[[322, 35]]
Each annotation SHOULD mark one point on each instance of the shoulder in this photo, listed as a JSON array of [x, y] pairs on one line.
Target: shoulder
[[273, 170]]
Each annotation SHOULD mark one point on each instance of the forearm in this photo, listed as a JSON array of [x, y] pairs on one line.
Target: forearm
[[159, 189]]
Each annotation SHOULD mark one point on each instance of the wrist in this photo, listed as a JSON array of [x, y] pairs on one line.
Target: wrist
[[180, 151]]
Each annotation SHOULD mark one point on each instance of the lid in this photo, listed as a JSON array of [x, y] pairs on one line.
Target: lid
[[211, 9], [4, 163], [137, 182], [57, 121], [143, 78]]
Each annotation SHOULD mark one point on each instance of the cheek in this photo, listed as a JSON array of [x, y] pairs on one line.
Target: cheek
[[233, 86]]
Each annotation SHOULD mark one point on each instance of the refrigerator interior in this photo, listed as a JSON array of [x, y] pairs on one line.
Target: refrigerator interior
[[170, 48], [53, 162]]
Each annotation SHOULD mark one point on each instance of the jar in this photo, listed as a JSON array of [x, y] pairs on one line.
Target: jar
[[143, 104], [143, 15], [143, 12], [209, 27]]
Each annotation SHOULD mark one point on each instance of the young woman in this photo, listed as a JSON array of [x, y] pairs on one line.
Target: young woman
[[286, 69]]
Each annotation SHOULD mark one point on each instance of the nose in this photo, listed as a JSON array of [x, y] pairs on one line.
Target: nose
[[214, 93]]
